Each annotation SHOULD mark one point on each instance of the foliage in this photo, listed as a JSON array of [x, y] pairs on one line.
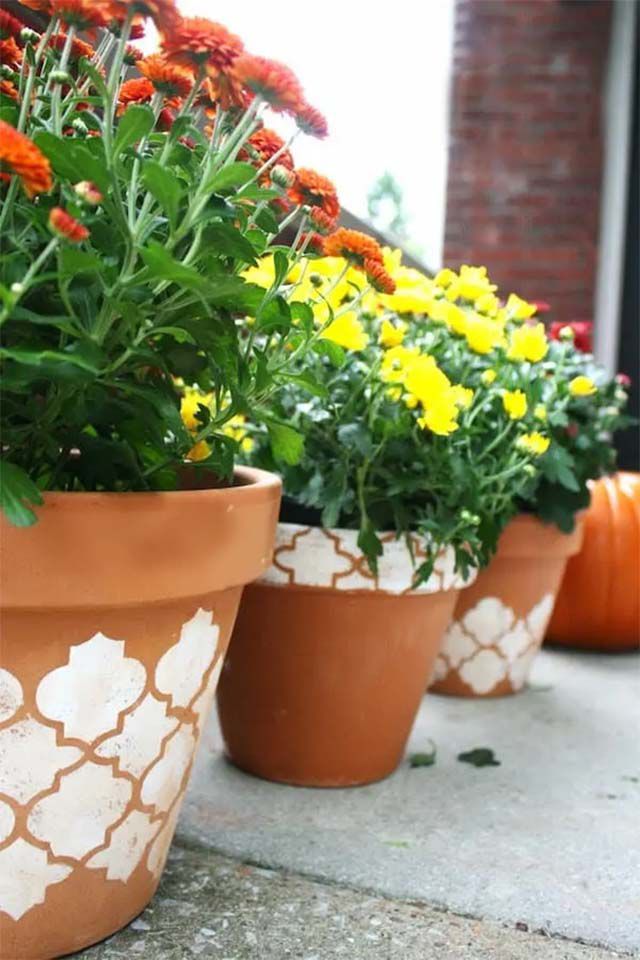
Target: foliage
[[131, 210]]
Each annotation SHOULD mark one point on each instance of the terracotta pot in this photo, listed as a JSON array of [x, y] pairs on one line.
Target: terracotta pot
[[327, 665], [598, 607], [116, 614], [501, 620]]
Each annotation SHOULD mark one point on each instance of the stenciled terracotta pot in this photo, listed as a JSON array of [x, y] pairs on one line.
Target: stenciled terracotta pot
[[598, 607], [500, 621], [116, 609], [328, 664]]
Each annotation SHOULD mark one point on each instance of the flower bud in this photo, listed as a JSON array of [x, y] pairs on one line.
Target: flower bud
[[80, 126], [471, 518], [88, 192], [529, 470], [566, 333], [17, 288], [27, 35], [623, 380], [60, 76], [5, 70], [282, 177]]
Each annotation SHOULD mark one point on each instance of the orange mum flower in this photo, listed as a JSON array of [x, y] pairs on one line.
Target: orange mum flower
[[316, 191], [67, 226], [41, 6], [8, 89], [78, 47], [196, 41], [83, 14], [272, 81], [167, 78], [132, 55], [164, 14], [10, 53], [311, 121], [353, 246], [222, 89], [10, 26], [313, 243], [139, 90], [378, 277], [19, 155], [323, 223], [267, 143]]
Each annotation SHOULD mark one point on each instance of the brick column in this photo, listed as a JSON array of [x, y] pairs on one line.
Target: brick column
[[525, 160]]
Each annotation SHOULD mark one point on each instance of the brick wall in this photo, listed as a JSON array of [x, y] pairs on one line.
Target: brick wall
[[525, 158]]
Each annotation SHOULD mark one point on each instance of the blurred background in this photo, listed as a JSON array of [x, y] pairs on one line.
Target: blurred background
[[495, 132]]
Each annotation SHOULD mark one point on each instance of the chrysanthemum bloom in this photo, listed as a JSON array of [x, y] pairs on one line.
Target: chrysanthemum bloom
[[267, 143], [20, 156], [534, 443], [167, 78], [314, 190], [520, 309], [311, 121], [196, 41], [139, 90], [223, 91], [391, 335], [488, 377], [10, 26], [582, 387], [354, 246], [378, 277], [483, 334], [580, 331], [67, 226], [82, 14], [321, 220], [166, 119], [445, 277], [272, 81], [540, 411], [88, 192], [164, 13], [78, 47], [132, 55], [514, 403], [313, 242], [10, 53], [347, 331], [41, 6], [528, 343], [8, 89]]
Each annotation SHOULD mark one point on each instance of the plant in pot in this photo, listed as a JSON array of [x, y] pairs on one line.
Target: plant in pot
[[545, 399], [387, 514], [131, 210]]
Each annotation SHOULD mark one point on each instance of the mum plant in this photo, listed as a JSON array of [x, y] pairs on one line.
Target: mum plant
[[442, 409], [136, 192]]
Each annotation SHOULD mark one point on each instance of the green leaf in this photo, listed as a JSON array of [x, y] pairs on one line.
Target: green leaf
[[165, 267], [275, 315], [85, 356], [73, 160], [356, 435], [286, 443], [164, 186], [308, 383], [479, 757], [370, 544], [267, 221], [227, 179], [424, 759], [136, 122], [74, 261], [17, 491], [225, 239]]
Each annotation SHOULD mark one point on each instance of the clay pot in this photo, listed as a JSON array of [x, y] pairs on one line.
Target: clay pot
[[500, 621], [116, 612], [598, 607], [327, 665]]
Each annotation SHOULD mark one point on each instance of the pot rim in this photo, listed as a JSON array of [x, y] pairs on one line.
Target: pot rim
[[526, 535]]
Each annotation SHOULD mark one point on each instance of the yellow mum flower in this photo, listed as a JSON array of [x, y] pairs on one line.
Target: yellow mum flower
[[472, 283], [445, 277], [394, 393], [396, 362], [189, 405], [444, 312], [347, 331], [391, 336], [534, 443], [440, 416], [463, 396], [540, 411], [200, 451], [582, 387], [514, 403], [528, 343], [426, 381], [488, 377], [488, 304], [483, 334], [519, 309]]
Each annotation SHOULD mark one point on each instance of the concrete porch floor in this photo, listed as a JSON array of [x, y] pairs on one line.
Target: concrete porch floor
[[536, 858]]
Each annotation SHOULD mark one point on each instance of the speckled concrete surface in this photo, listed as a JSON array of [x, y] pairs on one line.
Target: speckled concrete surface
[[212, 908], [549, 838]]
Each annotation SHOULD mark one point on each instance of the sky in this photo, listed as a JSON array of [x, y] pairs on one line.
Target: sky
[[380, 74]]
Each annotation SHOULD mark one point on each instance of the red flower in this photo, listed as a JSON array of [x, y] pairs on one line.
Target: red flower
[[20, 156], [132, 55], [41, 6], [164, 14], [88, 192], [582, 333], [272, 81], [195, 41], [222, 90], [267, 143], [323, 223], [9, 26], [10, 53], [315, 190], [67, 226], [378, 277], [313, 243], [82, 14], [311, 121], [167, 78], [8, 89], [78, 47], [623, 380], [138, 90], [353, 246]]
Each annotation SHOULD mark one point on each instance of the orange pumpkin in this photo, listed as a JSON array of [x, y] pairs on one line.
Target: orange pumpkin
[[598, 607]]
